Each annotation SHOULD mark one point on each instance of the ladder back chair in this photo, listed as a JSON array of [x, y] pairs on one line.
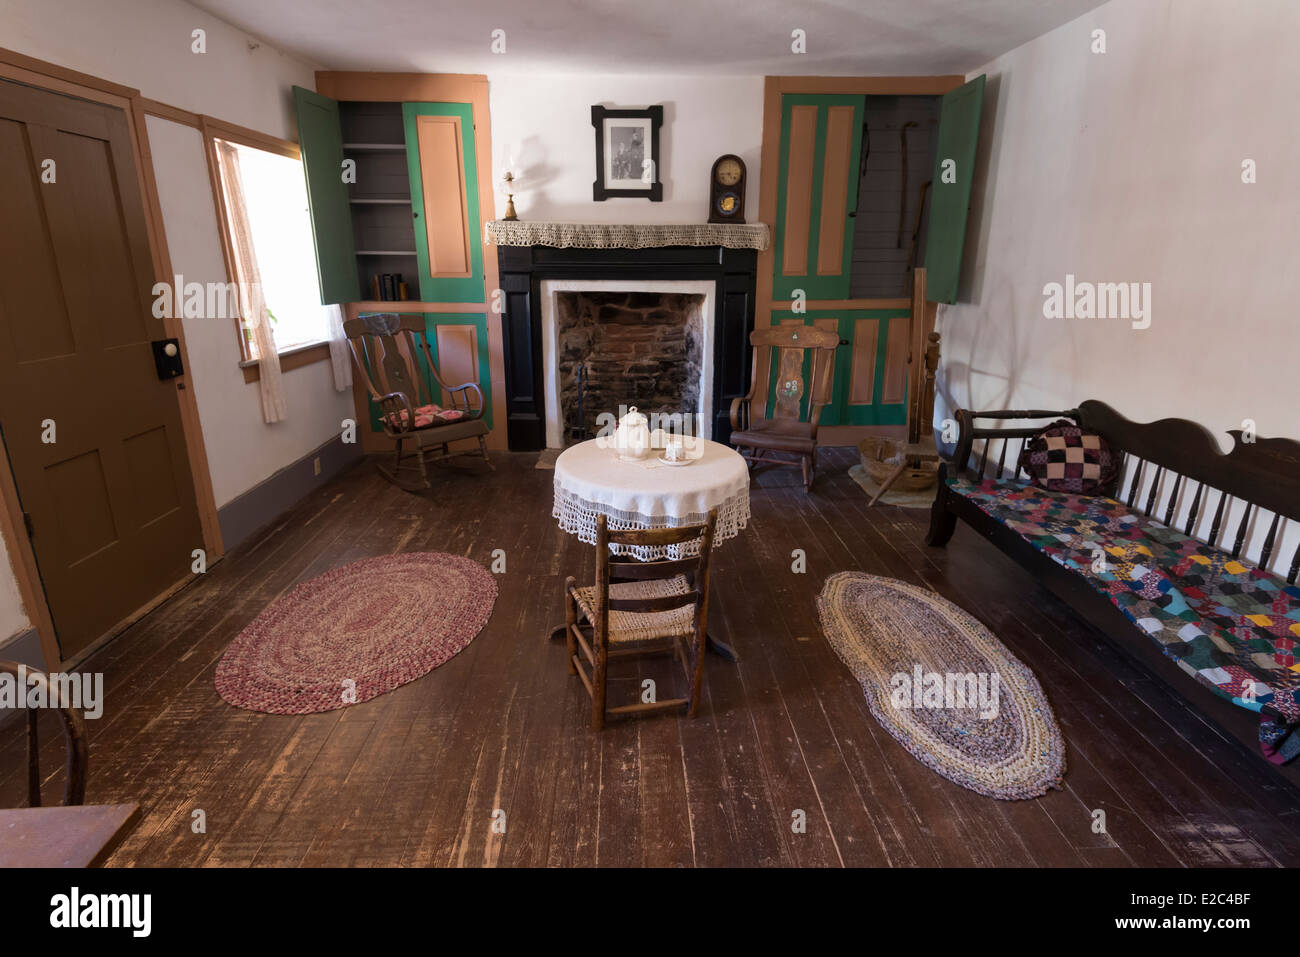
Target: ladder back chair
[[408, 389], [74, 738], [641, 608], [789, 436]]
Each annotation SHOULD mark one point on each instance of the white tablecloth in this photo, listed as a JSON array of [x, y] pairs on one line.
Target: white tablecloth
[[591, 480]]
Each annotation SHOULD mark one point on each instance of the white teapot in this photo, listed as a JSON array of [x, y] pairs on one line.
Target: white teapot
[[632, 437]]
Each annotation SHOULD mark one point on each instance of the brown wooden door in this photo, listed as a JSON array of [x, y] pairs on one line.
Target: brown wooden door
[[111, 500]]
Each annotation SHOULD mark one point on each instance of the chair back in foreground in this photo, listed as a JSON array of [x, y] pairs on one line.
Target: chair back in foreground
[[641, 608]]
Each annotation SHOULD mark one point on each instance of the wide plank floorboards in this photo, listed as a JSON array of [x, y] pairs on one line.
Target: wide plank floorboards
[[499, 735]]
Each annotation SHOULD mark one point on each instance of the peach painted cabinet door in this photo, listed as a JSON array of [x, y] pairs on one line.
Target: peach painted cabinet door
[[440, 153]]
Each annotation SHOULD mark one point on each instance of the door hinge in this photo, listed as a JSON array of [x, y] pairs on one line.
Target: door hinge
[[27, 524]]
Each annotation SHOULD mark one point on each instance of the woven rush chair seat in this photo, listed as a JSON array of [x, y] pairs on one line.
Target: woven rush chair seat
[[628, 626]]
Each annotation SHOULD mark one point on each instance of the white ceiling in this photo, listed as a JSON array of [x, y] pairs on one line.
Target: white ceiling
[[750, 37]]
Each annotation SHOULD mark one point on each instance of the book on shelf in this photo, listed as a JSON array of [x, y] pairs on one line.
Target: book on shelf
[[389, 287]]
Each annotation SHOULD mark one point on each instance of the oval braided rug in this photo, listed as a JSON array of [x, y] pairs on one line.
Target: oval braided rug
[[897, 639], [356, 632]]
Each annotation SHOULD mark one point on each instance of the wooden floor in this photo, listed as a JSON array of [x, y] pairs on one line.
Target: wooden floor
[[414, 777]]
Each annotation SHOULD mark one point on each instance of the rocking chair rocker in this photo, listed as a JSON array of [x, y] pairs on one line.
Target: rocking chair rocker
[[411, 409]]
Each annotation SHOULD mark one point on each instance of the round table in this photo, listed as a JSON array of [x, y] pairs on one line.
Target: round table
[[591, 480]]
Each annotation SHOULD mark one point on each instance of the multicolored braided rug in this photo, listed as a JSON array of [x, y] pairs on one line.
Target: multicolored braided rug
[[356, 632], [948, 691]]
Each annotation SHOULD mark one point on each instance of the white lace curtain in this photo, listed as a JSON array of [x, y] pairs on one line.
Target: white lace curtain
[[340, 353], [252, 304]]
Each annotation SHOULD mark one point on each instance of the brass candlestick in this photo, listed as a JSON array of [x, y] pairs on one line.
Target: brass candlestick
[[511, 216]]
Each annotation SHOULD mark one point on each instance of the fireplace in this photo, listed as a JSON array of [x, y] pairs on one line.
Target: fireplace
[[664, 328], [611, 344]]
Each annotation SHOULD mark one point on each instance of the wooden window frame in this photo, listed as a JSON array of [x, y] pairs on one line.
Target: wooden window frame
[[214, 129]]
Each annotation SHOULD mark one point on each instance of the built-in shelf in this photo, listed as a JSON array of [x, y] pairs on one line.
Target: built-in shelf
[[387, 252], [376, 147], [370, 201]]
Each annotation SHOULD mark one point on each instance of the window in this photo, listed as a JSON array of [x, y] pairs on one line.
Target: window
[[274, 196]]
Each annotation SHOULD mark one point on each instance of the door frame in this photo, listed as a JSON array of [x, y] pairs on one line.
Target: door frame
[[774, 88], [57, 79]]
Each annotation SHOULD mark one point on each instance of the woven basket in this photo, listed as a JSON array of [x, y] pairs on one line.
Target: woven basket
[[880, 456]]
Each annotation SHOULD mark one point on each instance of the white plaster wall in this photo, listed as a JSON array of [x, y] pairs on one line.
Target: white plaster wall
[[146, 44], [1126, 167], [242, 450], [13, 618], [544, 123]]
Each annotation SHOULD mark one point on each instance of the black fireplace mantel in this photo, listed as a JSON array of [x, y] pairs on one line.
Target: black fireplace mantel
[[524, 268]]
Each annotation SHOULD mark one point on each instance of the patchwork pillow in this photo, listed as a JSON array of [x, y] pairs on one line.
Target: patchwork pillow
[[1065, 458]]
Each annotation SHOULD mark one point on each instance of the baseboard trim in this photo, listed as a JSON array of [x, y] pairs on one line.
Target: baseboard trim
[[243, 517], [24, 648]]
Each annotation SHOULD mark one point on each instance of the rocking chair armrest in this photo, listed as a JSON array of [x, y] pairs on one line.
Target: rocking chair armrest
[[740, 411], [465, 387], [388, 405], [815, 417]]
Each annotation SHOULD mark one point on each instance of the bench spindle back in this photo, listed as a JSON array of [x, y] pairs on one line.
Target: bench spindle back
[[1259, 477]]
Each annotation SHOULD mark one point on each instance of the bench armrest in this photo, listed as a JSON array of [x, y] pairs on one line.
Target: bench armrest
[[968, 431]]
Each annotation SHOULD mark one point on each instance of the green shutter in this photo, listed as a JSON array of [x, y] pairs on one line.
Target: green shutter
[[320, 137], [446, 289], [814, 286], [959, 131]]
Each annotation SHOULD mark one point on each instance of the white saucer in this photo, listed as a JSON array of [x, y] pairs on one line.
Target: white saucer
[[676, 464]]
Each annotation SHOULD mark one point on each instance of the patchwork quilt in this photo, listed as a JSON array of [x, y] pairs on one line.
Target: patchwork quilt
[[1230, 624]]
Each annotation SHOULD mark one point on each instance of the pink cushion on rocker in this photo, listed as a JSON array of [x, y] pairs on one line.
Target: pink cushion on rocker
[[426, 415]]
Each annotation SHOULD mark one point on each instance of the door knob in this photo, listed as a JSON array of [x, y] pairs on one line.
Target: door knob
[[167, 358]]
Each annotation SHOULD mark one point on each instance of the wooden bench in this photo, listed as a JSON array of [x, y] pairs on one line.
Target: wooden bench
[[1173, 471]]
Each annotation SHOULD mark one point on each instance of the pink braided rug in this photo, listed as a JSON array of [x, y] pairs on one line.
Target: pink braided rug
[[356, 632]]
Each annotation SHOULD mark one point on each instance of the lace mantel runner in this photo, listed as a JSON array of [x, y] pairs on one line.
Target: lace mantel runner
[[621, 236]]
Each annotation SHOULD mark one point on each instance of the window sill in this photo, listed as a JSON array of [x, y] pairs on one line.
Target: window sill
[[290, 359]]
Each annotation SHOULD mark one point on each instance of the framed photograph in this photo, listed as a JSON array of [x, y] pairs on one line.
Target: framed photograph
[[627, 153]]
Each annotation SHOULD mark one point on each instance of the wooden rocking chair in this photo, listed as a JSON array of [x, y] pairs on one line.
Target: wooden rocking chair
[[787, 438], [411, 407], [74, 736], [641, 608]]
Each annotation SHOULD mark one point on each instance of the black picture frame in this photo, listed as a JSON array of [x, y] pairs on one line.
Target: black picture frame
[[654, 117]]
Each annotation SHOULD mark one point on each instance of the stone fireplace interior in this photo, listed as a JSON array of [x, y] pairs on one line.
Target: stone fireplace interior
[[628, 348]]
